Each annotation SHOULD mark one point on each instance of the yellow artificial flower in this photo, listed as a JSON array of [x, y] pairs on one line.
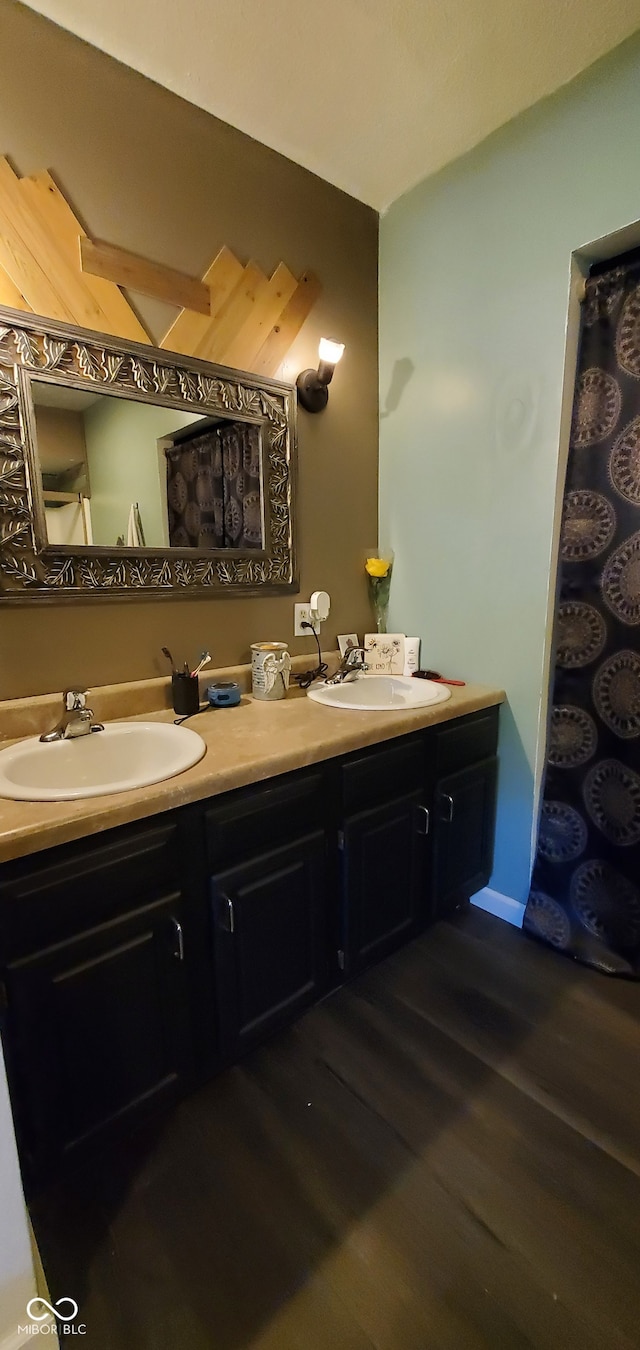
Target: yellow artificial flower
[[377, 567]]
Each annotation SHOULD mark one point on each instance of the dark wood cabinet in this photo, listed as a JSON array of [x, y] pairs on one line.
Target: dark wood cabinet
[[384, 849], [383, 869], [138, 962], [463, 829], [99, 1028], [270, 940]]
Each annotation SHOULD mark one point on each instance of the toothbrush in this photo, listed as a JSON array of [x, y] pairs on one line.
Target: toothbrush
[[204, 661], [167, 653]]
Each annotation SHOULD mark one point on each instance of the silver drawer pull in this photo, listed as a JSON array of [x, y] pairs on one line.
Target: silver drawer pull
[[425, 819], [178, 950], [449, 815], [231, 921]]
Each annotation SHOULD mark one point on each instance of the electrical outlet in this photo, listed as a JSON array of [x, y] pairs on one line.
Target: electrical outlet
[[301, 614]]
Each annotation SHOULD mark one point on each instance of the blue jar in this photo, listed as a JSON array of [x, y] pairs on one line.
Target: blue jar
[[224, 694]]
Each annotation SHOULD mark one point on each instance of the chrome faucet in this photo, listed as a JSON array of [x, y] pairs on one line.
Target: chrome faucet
[[349, 667], [76, 720]]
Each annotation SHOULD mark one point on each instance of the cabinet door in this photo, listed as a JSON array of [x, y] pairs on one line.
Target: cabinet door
[[384, 877], [464, 809], [270, 927], [98, 1029]]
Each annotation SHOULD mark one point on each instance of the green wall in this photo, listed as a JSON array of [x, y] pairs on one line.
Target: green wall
[[125, 466], [474, 288]]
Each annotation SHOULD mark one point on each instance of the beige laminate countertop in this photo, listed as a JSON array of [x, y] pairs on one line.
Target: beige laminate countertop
[[246, 744]]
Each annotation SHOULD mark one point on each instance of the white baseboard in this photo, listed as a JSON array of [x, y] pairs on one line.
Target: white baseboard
[[15, 1340], [512, 911]]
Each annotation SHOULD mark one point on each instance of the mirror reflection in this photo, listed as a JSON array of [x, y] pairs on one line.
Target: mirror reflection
[[116, 472]]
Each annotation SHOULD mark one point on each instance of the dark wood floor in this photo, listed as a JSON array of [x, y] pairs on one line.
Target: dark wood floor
[[444, 1156]]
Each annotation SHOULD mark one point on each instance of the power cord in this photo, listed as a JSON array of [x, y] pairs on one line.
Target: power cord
[[204, 707], [307, 677]]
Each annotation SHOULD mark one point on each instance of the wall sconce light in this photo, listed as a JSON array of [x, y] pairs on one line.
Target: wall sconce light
[[313, 393]]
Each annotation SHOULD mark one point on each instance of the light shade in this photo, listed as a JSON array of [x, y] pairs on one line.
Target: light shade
[[330, 351], [312, 385]]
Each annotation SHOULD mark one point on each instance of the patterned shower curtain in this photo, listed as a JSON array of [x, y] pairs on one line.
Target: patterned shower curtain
[[213, 489], [585, 894]]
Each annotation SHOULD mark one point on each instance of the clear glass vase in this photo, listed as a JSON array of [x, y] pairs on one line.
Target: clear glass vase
[[381, 611], [379, 569]]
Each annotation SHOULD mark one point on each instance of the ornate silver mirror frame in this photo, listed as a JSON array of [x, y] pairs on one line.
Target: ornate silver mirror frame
[[32, 570]]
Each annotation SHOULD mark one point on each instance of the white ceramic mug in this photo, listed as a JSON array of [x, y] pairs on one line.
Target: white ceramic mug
[[270, 669]]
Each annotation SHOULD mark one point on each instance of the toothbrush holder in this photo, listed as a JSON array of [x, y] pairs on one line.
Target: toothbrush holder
[[185, 694]]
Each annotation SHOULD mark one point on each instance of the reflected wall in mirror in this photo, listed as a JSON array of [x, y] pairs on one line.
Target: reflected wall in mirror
[[118, 472], [126, 470]]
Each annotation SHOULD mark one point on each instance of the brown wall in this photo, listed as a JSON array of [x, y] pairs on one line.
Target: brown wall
[[150, 172]]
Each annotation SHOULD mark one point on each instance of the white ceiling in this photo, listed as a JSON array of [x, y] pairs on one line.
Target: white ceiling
[[373, 95]]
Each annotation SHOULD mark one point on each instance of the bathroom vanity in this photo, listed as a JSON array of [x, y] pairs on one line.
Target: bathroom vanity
[[138, 961]]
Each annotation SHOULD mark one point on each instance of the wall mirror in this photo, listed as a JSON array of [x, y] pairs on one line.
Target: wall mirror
[[125, 469]]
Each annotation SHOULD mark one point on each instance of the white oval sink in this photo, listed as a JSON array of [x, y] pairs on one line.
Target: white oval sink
[[380, 693], [125, 755]]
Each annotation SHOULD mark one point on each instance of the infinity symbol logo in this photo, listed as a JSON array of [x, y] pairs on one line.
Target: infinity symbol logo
[[40, 1317]]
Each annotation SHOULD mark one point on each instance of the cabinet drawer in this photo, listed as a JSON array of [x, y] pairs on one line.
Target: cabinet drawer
[[66, 890], [255, 819], [379, 775], [465, 741]]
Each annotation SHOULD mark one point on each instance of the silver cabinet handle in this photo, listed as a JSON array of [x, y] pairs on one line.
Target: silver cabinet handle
[[178, 950], [449, 816], [231, 920], [425, 819]]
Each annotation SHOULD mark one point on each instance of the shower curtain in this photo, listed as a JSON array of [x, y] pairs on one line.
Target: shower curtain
[[585, 892], [213, 489]]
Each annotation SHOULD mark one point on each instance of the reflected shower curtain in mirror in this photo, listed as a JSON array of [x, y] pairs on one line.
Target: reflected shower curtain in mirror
[[213, 489], [585, 893]]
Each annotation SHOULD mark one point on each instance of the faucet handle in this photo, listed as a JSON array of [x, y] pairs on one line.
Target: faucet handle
[[75, 699]]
